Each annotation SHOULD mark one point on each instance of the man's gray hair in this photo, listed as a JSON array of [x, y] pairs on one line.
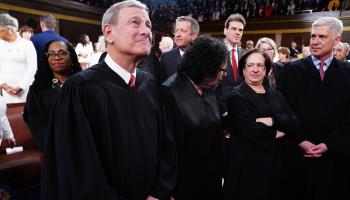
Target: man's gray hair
[[346, 47], [334, 24], [111, 14], [49, 21], [235, 18], [8, 21], [194, 23]]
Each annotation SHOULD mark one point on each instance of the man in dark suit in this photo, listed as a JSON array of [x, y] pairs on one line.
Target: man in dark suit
[[186, 30], [233, 31], [317, 89], [47, 25]]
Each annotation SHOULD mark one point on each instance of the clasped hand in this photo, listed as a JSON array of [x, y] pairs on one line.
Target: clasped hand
[[312, 150]]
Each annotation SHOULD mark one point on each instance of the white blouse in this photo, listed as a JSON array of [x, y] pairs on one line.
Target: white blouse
[[18, 64]]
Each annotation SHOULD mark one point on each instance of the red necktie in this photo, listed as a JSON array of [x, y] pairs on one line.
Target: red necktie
[[321, 70], [234, 64], [132, 81]]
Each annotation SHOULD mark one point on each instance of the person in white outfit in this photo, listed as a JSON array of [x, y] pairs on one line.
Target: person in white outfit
[[84, 50], [18, 61], [100, 48], [5, 128]]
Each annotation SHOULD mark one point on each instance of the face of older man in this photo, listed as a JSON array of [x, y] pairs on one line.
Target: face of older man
[[322, 42], [183, 34], [131, 33], [339, 51]]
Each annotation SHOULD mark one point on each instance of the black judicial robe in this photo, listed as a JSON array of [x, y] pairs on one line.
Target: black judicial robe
[[198, 132], [108, 141], [253, 159], [323, 108], [39, 104]]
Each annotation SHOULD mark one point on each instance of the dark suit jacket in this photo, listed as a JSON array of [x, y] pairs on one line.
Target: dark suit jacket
[[228, 83], [41, 39], [169, 64]]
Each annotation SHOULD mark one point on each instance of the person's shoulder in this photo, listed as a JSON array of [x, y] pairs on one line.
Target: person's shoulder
[[171, 80], [170, 53]]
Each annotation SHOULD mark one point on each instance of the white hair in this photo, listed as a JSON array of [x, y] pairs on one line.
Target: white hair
[[8, 21], [334, 24]]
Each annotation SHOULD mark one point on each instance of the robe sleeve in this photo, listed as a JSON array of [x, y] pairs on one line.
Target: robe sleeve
[[72, 166], [168, 162], [242, 121], [33, 115]]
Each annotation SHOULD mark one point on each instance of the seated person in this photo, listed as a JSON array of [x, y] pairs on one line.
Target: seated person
[[61, 62], [5, 128]]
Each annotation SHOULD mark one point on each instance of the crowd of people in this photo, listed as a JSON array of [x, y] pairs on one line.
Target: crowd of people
[[198, 118], [215, 10]]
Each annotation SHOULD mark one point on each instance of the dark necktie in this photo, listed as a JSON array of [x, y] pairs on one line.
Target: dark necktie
[[321, 70], [234, 64], [132, 81]]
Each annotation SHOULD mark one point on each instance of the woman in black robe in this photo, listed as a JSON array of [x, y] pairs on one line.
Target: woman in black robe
[[259, 120], [59, 64], [195, 117]]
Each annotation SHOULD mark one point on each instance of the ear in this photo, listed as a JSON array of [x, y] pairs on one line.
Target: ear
[[225, 31], [337, 40], [108, 33], [194, 36]]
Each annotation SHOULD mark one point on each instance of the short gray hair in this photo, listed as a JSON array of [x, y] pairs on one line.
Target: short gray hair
[[334, 24], [111, 14], [49, 21], [235, 18], [194, 23], [8, 21]]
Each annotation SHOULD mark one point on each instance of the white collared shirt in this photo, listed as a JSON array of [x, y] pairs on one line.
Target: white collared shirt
[[118, 69]]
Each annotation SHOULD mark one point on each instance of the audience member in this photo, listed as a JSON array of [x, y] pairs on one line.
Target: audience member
[[106, 138], [166, 44], [6, 133], [26, 32], [47, 25], [17, 61], [61, 63], [100, 49], [306, 51], [283, 55], [249, 45], [294, 51], [341, 51], [317, 89], [268, 46], [84, 50], [196, 119], [186, 30], [259, 117], [233, 31]]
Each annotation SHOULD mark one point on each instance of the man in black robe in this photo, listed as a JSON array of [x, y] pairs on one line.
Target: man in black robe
[[106, 138], [317, 89]]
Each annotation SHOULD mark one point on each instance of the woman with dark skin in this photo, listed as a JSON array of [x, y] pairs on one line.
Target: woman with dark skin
[[260, 120], [61, 62], [194, 113]]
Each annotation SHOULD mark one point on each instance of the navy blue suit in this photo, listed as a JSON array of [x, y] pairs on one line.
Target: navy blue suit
[[169, 64], [41, 39]]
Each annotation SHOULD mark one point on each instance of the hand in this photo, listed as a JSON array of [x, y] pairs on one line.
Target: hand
[[6, 87], [265, 120], [279, 134], [16, 91], [320, 148], [227, 133], [10, 142], [151, 198], [308, 149]]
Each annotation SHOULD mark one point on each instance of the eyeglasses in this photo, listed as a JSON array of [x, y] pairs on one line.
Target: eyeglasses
[[224, 71], [60, 54], [265, 50]]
